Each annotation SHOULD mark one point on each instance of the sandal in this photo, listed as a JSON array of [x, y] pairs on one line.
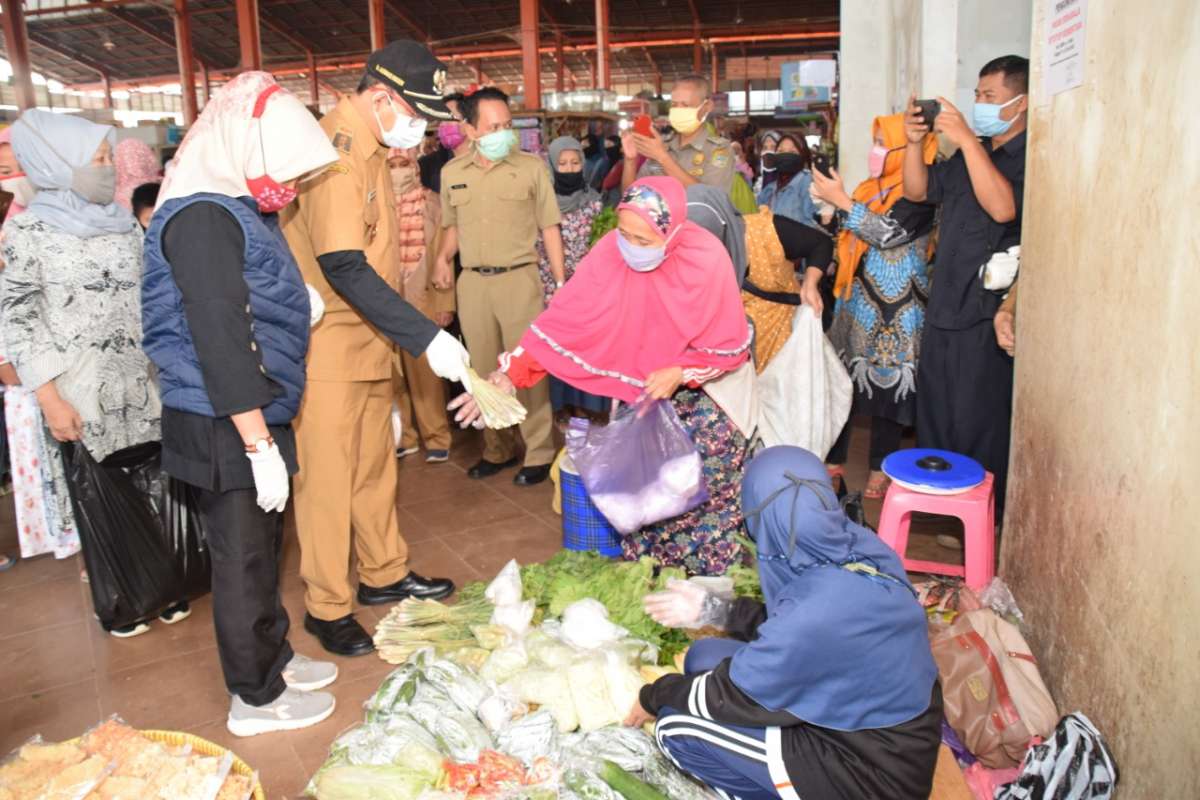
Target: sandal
[[7, 562], [877, 486]]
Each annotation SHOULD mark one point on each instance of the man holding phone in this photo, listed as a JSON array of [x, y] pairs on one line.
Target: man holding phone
[[965, 379], [691, 154]]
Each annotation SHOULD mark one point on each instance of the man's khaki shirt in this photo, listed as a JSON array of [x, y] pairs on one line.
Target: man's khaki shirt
[[349, 207], [709, 160], [500, 211]]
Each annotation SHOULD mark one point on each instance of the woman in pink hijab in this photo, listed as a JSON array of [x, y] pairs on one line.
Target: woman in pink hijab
[[136, 164], [654, 310]]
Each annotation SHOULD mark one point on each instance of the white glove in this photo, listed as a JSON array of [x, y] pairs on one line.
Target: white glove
[[316, 306], [270, 479], [687, 605], [448, 358]]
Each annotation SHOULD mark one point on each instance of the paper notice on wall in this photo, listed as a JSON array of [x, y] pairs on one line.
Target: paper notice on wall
[[1066, 35]]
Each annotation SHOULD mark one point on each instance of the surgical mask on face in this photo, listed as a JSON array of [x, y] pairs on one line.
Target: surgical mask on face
[[450, 135], [788, 163], [21, 188], [638, 258], [406, 132], [95, 183], [685, 121], [496, 145], [987, 121], [876, 159]]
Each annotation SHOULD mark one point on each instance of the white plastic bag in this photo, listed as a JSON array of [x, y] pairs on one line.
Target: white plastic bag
[[505, 589], [805, 392]]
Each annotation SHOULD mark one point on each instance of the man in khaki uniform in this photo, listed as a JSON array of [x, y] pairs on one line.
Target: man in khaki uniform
[[495, 200], [342, 231], [420, 394], [691, 154]]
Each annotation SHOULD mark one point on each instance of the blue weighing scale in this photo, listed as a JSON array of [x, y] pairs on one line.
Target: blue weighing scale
[[934, 471]]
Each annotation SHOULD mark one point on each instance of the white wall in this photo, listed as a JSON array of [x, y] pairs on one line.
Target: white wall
[[891, 48]]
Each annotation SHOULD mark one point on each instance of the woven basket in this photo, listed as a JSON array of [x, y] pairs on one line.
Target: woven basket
[[204, 748]]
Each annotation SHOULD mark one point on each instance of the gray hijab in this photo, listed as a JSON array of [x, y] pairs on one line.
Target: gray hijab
[[50, 147], [576, 200], [711, 209]]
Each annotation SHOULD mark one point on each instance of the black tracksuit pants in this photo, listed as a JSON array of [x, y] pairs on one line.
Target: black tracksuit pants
[[964, 401]]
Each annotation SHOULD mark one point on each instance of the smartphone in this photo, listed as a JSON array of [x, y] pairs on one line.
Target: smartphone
[[929, 111], [643, 125], [821, 163]]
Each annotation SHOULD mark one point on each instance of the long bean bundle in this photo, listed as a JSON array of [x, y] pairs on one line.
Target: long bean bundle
[[500, 409]]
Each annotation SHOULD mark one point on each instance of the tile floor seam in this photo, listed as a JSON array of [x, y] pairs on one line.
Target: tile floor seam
[[158, 659], [46, 690], [42, 629], [442, 537]]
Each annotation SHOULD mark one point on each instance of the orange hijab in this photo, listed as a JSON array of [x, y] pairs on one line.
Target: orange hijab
[[879, 195]]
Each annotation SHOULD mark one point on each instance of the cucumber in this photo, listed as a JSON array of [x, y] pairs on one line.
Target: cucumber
[[628, 786]]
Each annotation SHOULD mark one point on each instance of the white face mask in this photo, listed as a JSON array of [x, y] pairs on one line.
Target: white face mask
[[407, 132]]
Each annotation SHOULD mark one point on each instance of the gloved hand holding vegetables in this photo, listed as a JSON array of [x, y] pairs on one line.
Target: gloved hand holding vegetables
[[687, 605]]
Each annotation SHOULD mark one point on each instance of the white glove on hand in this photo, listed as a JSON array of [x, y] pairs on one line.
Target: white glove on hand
[[316, 306], [448, 358], [687, 605], [270, 479]]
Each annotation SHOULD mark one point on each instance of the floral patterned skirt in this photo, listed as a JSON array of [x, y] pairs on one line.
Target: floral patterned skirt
[[702, 541], [45, 521]]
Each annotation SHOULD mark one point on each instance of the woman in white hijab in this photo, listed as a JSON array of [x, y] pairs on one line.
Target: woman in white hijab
[[71, 305], [226, 317]]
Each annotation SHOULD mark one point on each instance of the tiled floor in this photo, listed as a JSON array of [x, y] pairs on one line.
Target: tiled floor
[[59, 673]]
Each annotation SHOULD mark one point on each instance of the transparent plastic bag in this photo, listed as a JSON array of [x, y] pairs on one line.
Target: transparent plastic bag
[[40, 769], [641, 468]]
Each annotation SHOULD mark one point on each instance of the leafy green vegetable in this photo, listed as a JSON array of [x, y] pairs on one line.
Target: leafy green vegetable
[[604, 222]]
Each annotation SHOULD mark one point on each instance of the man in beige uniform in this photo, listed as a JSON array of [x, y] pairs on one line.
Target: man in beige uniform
[[495, 200], [342, 231], [691, 154]]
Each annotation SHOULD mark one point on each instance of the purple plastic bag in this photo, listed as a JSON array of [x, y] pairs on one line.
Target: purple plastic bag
[[641, 468]]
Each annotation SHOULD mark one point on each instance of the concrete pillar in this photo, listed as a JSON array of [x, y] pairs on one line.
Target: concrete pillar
[[314, 84], [531, 59], [248, 35], [1100, 544], [559, 63], [16, 46], [106, 83], [187, 71]]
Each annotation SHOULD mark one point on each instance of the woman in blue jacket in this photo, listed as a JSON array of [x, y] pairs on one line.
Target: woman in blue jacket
[[225, 316], [826, 690], [788, 195]]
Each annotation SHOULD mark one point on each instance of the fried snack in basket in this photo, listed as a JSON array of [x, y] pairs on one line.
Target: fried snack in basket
[[500, 410]]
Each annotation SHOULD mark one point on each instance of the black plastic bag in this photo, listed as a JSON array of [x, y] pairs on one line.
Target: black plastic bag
[[132, 573], [184, 535]]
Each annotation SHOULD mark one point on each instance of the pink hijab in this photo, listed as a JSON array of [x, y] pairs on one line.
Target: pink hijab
[[136, 164], [610, 327]]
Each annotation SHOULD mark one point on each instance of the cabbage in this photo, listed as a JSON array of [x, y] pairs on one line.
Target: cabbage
[[350, 782]]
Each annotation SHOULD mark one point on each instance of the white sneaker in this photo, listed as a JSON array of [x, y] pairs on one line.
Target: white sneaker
[[404, 452], [291, 711], [305, 675]]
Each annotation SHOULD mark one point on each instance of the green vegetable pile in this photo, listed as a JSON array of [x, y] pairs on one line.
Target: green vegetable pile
[[604, 222]]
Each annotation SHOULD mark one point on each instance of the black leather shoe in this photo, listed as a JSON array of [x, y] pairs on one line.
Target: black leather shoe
[[486, 469], [342, 637], [532, 476], [413, 585]]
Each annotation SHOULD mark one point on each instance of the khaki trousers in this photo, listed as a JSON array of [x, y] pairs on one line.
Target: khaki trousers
[[346, 493], [494, 312], [421, 396]]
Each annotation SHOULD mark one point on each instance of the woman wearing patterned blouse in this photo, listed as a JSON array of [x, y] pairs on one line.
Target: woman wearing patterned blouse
[[882, 286], [72, 299]]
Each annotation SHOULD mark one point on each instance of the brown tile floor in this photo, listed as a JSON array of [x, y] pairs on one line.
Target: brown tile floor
[[59, 673]]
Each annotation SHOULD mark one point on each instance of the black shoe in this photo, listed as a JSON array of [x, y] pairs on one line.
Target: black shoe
[[532, 476], [486, 469], [342, 637], [413, 585]]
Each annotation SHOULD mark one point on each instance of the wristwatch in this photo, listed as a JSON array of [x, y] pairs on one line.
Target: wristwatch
[[261, 445]]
